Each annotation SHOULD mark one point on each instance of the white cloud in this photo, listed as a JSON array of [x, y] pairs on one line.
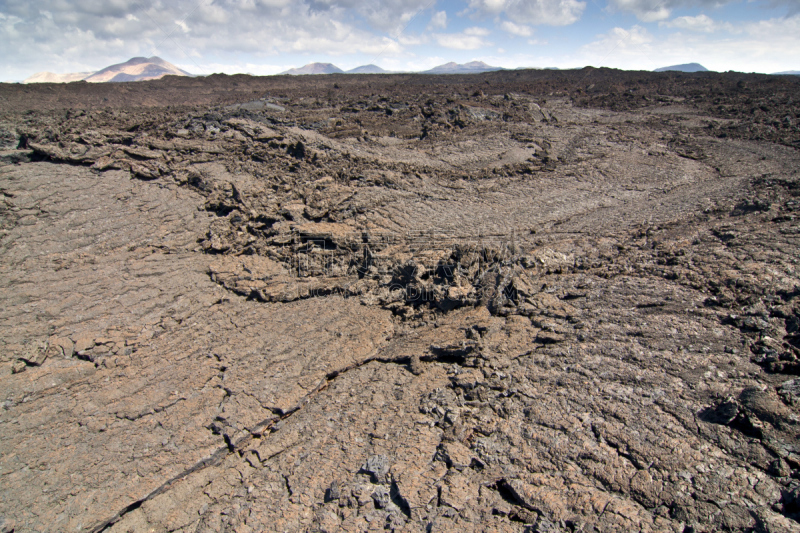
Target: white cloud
[[390, 16], [549, 12], [655, 10], [214, 15], [59, 36], [618, 47], [701, 23], [748, 47], [338, 39], [269, 3], [469, 39], [413, 40], [414, 64], [618, 38], [645, 10], [516, 29], [438, 20], [81, 35], [477, 30]]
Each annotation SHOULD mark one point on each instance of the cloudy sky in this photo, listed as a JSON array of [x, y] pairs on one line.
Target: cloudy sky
[[269, 36]]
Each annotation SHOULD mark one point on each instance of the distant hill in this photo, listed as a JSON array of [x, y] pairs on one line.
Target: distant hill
[[686, 67], [51, 77], [792, 72], [466, 68], [367, 69], [314, 68], [137, 69]]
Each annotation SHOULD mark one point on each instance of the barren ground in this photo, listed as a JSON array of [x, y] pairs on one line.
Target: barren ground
[[519, 301]]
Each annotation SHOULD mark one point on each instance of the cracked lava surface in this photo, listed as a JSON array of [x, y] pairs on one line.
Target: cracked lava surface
[[516, 301]]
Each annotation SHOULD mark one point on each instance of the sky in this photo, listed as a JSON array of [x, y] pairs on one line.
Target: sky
[[269, 36]]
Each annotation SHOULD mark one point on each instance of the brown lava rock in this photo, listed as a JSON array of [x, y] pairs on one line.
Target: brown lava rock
[[515, 301]]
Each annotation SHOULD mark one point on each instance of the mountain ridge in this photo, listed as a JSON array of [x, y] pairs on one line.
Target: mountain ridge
[[368, 69], [685, 67], [314, 68], [473, 67]]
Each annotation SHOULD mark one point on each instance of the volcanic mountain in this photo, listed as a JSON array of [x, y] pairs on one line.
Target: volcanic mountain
[[315, 68], [686, 67], [135, 69], [466, 68], [138, 69], [367, 69]]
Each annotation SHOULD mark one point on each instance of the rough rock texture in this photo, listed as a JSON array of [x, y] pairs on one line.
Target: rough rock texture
[[521, 301]]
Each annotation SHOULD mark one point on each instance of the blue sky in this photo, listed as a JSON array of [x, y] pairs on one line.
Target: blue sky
[[269, 36]]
